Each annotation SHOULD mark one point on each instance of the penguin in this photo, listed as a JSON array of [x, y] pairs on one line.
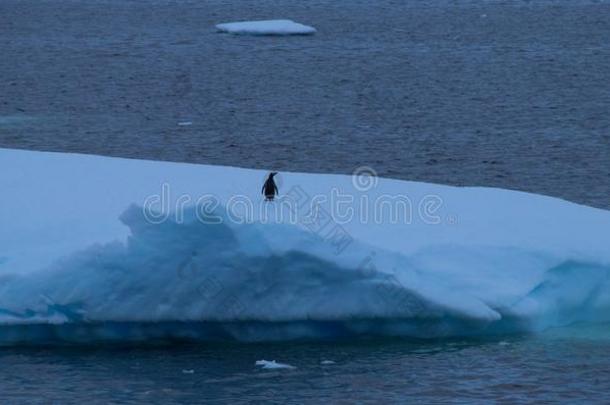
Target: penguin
[[269, 188]]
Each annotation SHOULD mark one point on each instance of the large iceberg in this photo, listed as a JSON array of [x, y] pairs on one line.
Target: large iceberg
[[107, 249], [266, 27]]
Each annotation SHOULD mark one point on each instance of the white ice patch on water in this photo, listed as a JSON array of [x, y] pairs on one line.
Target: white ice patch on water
[[266, 27], [273, 365]]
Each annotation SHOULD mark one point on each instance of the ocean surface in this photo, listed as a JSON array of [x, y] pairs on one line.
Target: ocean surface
[[511, 94], [545, 369]]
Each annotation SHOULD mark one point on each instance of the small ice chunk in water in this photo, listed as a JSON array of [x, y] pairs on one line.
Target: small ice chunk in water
[[266, 27], [185, 123], [188, 371], [272, 365], [327, 362]]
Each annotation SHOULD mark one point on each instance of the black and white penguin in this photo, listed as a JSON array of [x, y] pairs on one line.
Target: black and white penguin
[[269, 188]]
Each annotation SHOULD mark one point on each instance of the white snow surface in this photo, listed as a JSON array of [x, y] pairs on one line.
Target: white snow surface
[[80, 261], [266, 27]]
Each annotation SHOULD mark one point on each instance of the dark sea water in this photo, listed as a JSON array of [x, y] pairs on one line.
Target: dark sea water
[[512, 94], [514, 370]]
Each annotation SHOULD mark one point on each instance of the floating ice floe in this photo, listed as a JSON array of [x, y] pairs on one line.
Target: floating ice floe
[[79, 234], [327, 362], [266, 27], [274, 365]]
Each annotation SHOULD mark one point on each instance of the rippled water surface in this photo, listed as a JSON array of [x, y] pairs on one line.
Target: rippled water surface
[[507, 93], [514, 370]]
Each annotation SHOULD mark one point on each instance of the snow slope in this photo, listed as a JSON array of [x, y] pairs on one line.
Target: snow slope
[[89, 250], [266, 27]]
